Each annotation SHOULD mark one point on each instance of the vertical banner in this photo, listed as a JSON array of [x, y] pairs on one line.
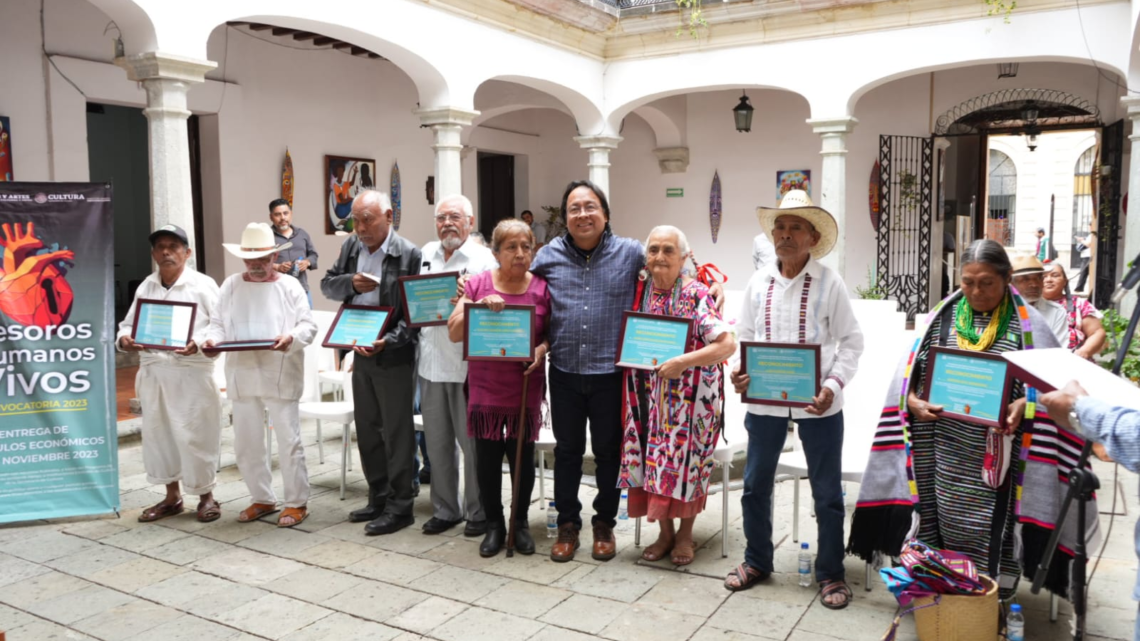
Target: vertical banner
[[58, 443]]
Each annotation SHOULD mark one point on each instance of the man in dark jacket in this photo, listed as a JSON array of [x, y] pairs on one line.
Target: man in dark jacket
[[367, 272]]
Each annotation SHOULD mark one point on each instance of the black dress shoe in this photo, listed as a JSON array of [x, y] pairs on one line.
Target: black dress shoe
[[524, 542], [475, 528], [425, 476], [365, 514], [493, 542], [389, 523], [439, 526]]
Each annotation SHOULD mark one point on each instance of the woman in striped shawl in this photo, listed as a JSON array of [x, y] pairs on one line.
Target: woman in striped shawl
[[992, 494]]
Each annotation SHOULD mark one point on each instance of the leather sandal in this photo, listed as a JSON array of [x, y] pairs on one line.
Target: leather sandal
[[746, 576], [160, 511], [828, 587], [209, 511], [256, 511], [683, 553], [298, 514]]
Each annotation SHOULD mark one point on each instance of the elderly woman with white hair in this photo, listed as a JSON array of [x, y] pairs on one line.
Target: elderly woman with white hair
[[672, 415]]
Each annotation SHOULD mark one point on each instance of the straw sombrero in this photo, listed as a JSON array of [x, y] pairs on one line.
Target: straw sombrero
[[1026, 264], [256, 241], [797, 203]]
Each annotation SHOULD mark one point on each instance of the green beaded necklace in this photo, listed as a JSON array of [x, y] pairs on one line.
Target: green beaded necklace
[[968, 336]]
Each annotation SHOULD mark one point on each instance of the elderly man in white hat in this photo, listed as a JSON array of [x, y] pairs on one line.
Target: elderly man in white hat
[[798, 300], [1029, 279], [261, 304]]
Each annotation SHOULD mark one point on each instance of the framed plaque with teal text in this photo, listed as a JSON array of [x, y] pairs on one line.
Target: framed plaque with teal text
[[783, 374], [357, 325], [507, 335], [427, 298], [162, 324], [970, 386], [648, 340]]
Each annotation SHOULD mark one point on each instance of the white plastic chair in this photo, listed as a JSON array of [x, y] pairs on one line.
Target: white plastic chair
[[336, 411]]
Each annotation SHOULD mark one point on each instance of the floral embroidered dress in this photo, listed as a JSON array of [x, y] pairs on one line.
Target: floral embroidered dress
[[1079, 309], [671, 426]]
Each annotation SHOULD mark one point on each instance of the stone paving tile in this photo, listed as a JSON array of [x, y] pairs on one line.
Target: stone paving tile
[[524, 599], [570, 578], [14, 570], [42, 587], [637, 621], [584, 613], [459, 584], [201, 594], [97, 529], [765, 617], [342, 627], [229, 530], [92, 560], [463, 552], [393, 568], [127, 620], [375, 601], [283, 541], [45, 546], [857, 622], [247, 566], [536, 568], [136, 574], [478, 624], [552, 633], [619, 582], [313, 584], [46, 631], [11, 618], [709, 633], [74, 606], [800, 635], [335, 554], [273, 616], [692, 595], [144, 538], [410, 540], [427, 615], [188, 628], [188, 549]]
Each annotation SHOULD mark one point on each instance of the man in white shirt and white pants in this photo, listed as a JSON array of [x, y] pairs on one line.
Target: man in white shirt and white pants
[[442, 373], [261, 304], [798, 300], [182, 412]]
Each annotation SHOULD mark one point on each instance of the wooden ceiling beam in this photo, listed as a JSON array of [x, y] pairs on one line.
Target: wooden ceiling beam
[[283, 31], [304, 35], [253, 26], [323, 40], [341, 46]]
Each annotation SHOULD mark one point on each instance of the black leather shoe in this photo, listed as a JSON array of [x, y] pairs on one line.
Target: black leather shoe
[[365, 514], [524, 542], [389, 523], [425, 476], [439, 526], [493, 542], [475, 528]]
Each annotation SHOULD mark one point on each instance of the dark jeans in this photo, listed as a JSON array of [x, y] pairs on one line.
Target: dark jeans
[[489, 455], [823, 447], [574, 400]]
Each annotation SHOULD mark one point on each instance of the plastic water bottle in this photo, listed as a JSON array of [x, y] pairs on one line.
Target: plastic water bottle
[[623, 507], [805, 566], [551, 521], [1015, 624]]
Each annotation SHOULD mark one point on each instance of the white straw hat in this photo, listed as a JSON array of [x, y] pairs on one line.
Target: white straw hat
[[796, 202], [256, 241]]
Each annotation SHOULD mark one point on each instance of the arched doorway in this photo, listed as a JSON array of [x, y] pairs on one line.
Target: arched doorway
[[1001, 210]]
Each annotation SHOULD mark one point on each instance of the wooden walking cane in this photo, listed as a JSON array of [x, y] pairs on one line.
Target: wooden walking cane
[[518, 466]]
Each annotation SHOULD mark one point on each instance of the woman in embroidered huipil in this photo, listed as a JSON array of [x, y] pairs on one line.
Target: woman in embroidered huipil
[[673, 415], [1086, 332]]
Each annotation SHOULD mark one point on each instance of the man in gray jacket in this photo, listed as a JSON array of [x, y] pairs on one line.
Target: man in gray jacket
[[367, 272]]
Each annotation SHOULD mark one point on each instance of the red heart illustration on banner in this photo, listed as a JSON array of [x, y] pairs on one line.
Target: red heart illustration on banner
[[33, 291]]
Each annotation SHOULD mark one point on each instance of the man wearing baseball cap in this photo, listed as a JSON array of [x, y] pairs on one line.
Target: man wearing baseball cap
[[263, 306], [181, 411]]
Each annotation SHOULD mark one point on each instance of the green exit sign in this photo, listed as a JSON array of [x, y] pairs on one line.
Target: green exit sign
[[674, 192]]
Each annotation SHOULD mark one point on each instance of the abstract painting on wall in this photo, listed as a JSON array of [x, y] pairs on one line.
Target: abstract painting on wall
[[789, 179], [5, 150], [344, 179]]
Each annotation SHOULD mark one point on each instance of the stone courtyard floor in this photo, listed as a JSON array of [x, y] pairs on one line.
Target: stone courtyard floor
[[116, 579]]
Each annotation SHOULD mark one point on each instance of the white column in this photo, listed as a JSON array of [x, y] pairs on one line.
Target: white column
[[833, 182], [166, 79], [599, 148], [447, 125], [1132, 230]]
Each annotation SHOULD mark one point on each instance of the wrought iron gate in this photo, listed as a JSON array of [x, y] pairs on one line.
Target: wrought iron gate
[[906, 165], [1108, 211]]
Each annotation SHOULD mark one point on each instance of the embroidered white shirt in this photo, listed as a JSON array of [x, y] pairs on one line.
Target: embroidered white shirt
[[827, 319], [440, 360], [1057, 317], [191, 287]]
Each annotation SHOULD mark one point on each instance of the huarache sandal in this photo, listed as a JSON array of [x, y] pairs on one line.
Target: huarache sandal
[[683, 553], [828, 587], [256, 511], [657, 551], [746, 576], [160, 511], [209, 511], [297, 514]]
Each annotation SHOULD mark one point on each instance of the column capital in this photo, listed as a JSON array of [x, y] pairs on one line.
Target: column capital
[[672, 160], [151, 65], [598, 142], [433, 116], [844, 125], [1132, 103]]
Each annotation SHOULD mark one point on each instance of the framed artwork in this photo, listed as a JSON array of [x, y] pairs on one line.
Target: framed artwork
[[5, 150], [789, 179], [344, 178]]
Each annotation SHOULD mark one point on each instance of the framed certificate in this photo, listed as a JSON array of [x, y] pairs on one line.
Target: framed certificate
[[427, 298], [498, 336], [784, 374], [647, 340], [970, 386], [242, 346], [357, 325], [161, 324]]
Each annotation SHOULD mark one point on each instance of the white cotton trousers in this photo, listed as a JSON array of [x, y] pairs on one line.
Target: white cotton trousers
[[249, 446], [182, 424]]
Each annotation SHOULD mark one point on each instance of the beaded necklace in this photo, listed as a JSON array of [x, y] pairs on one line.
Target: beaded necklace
[[967, 335]]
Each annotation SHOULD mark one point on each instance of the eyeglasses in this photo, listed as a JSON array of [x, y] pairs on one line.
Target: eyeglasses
[[449, 218], [588, 209]]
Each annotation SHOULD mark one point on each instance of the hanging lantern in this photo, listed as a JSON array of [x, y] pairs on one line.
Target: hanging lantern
[[743, 114]]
